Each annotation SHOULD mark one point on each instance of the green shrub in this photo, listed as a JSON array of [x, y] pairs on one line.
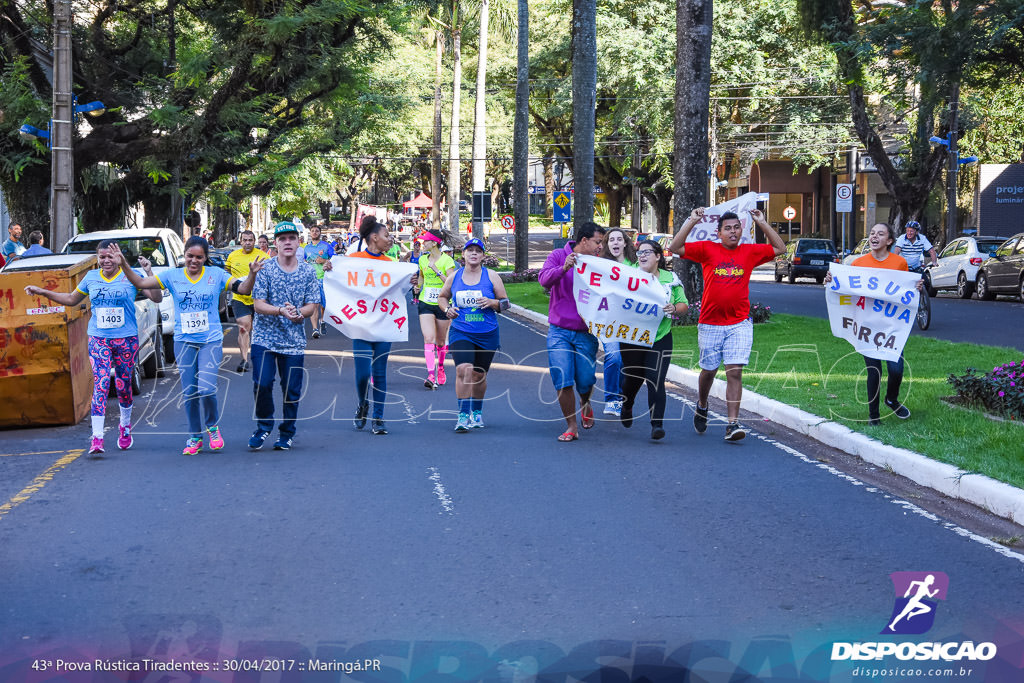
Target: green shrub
[[1000, 390]]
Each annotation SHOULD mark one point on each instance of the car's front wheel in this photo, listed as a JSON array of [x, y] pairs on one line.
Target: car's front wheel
[[984, 293], [964, 289]]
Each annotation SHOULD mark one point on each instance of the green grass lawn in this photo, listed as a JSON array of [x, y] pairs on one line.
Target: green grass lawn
[[797, 361]]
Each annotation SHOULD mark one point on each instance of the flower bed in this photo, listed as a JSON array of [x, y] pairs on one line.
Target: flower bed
[[1000, 391], [525, 276]]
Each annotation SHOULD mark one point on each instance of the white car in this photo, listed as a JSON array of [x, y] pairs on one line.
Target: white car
[[858, 251], [150, 359], [959, 263], [162, 246]]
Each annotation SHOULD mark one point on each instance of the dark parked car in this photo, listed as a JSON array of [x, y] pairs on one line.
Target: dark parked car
[[806, 257], [1003, 271]]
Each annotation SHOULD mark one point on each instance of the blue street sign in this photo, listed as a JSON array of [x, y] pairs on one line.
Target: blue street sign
[[562, 207]]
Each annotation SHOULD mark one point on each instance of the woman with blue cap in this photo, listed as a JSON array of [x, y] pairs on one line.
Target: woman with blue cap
[[471, 298]]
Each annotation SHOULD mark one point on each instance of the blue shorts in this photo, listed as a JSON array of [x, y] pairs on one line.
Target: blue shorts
[[572, 358], [323, 297]]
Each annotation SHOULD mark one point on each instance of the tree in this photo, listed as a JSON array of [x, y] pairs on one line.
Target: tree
[[521, 144], [584, 99], [690, 154], [186, 83], [919, 55]]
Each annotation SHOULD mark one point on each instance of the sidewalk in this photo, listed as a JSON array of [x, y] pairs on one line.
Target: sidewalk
[[994, 496]]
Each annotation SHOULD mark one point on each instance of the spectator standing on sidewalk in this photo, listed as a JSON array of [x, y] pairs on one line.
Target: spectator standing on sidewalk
[[725, 333], [285, 294], [572, 350], [36, 248]]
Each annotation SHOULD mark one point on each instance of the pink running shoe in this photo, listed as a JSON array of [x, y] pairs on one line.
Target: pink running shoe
[[429, 382], [96, 445], [124, 437], [440, 375], [192, 446], [216, 440]]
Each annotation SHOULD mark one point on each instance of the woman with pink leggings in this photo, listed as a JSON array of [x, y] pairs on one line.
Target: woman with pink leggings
[[113, 336]]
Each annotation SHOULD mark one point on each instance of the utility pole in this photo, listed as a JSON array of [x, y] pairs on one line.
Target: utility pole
[[954, 165], [62, 168]]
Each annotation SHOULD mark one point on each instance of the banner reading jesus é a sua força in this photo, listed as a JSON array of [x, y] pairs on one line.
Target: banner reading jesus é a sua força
[[618, 302], [366, 298], [872, 308]]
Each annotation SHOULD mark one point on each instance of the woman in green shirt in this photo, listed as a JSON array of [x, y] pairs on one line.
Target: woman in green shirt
[[435, 266], [642, 365]]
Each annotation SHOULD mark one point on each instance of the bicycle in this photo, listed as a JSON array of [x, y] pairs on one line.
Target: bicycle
[[924, 305]]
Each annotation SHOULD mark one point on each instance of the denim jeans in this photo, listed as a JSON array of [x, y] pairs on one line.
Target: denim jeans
[[572, 358], [371, 358], [198, 365], [267, 364], [612, 372]]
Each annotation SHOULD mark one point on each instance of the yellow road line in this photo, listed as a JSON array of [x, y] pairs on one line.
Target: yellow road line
[[39, 482], [8, 455]]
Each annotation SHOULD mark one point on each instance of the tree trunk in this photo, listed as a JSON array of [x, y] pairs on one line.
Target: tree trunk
[[435, 176], [28, 201], [584, 98], [160, 211], [103, 208], [521, 143], [453, 144], [690, 153], [480, 115], [225, 225], [549, 185], [615, 198]]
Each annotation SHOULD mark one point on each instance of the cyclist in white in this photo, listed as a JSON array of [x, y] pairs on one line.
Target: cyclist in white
[[913, 245]]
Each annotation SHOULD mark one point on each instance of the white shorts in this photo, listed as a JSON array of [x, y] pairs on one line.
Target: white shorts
[[729, 344]]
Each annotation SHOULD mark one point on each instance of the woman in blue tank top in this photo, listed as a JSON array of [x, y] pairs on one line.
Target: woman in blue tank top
[[471, 298]]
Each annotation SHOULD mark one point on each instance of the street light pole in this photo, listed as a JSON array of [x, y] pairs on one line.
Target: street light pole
[[62, 167], [953, 167]]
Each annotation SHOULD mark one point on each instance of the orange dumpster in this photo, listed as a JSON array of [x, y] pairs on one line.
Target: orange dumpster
[[45, 374]]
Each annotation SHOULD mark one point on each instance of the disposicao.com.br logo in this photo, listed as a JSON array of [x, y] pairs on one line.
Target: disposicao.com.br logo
[[913, 613]]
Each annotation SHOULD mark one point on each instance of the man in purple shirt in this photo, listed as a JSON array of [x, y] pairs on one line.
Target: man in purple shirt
[[572, 350]]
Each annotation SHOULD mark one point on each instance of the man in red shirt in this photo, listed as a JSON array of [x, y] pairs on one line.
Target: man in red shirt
[[724, 331]]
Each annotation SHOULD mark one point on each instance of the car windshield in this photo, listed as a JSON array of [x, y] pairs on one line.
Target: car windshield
[[985, 246], [815, 245], [150, 247]]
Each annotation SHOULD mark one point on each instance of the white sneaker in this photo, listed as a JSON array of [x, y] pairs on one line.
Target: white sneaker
[[476, 420], [462, 426], [613, 408]]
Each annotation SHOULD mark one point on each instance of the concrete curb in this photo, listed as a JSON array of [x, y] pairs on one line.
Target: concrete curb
[[997, 497]]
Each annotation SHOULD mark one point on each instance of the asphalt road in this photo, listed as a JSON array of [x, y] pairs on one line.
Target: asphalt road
[[489, 555]]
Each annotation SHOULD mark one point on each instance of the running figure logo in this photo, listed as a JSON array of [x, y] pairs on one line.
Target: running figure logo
[[917, 596]]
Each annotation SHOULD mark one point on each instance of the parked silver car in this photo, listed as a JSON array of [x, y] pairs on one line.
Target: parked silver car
[[958, 265]]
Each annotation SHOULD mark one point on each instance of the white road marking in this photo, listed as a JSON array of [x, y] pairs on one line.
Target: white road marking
[[440, 492]]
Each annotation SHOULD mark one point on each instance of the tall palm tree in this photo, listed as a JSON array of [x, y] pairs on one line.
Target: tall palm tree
[[693, 93], [521, 141]]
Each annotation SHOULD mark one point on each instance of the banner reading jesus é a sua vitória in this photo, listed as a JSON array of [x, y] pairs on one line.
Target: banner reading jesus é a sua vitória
[[618, 302], [872, 308]]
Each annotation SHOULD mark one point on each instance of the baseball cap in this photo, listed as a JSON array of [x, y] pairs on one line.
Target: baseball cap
[[285, 227], [475, 242]]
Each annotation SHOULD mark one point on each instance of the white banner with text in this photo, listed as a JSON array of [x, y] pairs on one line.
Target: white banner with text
[[618, 302], [366, 298], [872, 308]]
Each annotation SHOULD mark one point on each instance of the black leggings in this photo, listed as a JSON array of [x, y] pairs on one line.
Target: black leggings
[[892, 386], [642, 365]]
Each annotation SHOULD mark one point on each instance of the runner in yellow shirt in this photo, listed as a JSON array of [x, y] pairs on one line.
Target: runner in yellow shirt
[[237, 265]]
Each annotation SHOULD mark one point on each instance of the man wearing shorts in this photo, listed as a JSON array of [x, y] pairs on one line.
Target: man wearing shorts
[[237, 265], [317, 253], [572, 350], [724, 331]]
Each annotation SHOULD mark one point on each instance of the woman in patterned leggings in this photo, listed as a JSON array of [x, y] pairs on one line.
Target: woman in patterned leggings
[[113, 336]]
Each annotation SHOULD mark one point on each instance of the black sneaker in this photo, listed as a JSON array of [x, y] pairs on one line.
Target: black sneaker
[[902, 412], [657, 432], [323, 328], [257, 439], [360, 419], [700, 419], [283, 444], [734, 432], [316, 333], [378, 427], [241, 368], [626, 414], [874, 422]]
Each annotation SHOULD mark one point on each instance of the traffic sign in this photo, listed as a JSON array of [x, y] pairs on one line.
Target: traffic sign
[[844, 197], [563, 207], [508, 222], [789, 213]]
